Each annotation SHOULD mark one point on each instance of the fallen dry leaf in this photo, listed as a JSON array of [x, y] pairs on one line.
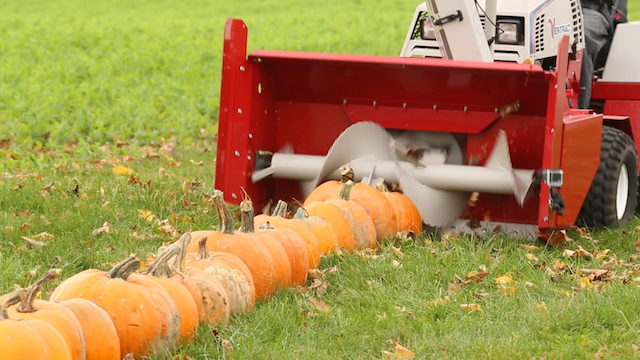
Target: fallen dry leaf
[[438, 301], [146, 214], [44, 235], [638, 244], [559, 238], [471, 307], [532, 257], [227, 345], [585, 283], [530, 247], [33, 272], [104, 229], [579, 252], [34, 242], [122, 170], [530, 285], [318, 304], [505, 284], [397, 251], [8, 228], [559, 266], [541, 307], [400, 352], [475, 276], [600, 354]]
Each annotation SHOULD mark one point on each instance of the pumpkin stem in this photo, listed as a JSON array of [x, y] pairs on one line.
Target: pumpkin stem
[[26, 305], [180, 260], [118, 267], [280, 209], [301, 214], [346, 190], [203, 250], [382, 187], [246, 207], [347, 173], [226, 220], [160, 267], [124, 268], [14, 297]]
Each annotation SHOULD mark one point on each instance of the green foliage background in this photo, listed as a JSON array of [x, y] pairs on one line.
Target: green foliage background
[[97, 71]]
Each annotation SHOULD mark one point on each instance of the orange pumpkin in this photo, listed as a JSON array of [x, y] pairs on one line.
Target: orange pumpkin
[[303, 229], [159, 273], [229, 271], [333, 217], [374, 203], [253, 253], [29, 339], [100, 334], [144, 315], [52, 313], [407, 215], [208, 291], [363, 228], [296, 250], [276, 250]]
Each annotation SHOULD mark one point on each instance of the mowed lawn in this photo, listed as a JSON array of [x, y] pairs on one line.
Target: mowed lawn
[[87, 86]]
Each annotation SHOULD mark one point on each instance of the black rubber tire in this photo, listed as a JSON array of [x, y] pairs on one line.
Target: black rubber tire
[[599, 207]]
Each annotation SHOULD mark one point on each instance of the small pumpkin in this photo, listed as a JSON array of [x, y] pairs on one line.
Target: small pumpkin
[[211, 294], [144, 315], [333, 217], [303, 229], [276, 250], [296, 250], [100, 334], [253, 253], [29, 339], [407, 214], [159, 273], [229, 271], [363, 228], [375, 204], [53, 313]]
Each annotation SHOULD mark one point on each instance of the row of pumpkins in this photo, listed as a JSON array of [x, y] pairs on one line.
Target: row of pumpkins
[[205, 276]]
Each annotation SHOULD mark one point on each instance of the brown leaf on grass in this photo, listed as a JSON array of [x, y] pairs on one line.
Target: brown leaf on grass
[[8, 228], [122, 170], [453, 288], [594, 274], [315, 274], [558, 239], [320, 287], [579, 252], [600, 354], [541, 307], [227, 345], [150, 154], [32, 273], [318, 304], [34, 242], [600, 255], [635, 348], [638, 245], [104, 229], [585, 283], [481, 295], [474, 276], [173, 163], [24, 227], [186, 186], [397, 251], [199, 163], [559, 266], [166, 229], [127, 158], [400, 352]]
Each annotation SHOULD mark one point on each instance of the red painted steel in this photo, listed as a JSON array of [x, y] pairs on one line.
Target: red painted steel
[[580, 160], [618, 91]]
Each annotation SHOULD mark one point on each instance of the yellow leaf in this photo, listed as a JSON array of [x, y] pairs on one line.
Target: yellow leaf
[[146, 214], [471, 307], [504, 279], [563, 292], [122, 170], [532, 257], [585, 283], [438, 301], [559, 266], [507, 290], [541, 307], [401, 352]]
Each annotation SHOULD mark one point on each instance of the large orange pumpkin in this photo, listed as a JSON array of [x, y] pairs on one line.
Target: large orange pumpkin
[[159, 273], [374, 203], [29, 339], [407, 215], [253, 253], [145, 316], [229, 271], [54, 314], [100, 334], [276, 250]]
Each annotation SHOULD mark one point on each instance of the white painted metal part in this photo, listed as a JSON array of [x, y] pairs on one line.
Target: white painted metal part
[[623, 64]]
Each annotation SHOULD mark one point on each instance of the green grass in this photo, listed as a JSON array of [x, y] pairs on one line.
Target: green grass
[[75, 75]]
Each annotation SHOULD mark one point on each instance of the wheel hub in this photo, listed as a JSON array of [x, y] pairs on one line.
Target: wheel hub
[[622, 193]]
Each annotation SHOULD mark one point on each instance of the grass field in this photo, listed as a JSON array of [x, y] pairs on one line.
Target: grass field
[[86, 86]]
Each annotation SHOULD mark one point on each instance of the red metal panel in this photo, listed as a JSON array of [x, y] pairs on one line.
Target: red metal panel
[[557, 105], [630, 109], [617, 91], [458, 121], [580, 161]]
